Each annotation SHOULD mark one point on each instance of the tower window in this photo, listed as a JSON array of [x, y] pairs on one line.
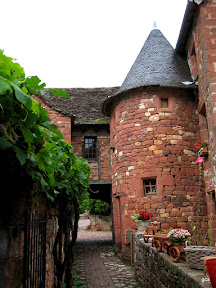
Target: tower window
[[164, 103], [150, 186]]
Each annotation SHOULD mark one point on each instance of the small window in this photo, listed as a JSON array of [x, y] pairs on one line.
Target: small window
[[150, 186], [164, 103], [90, 147]]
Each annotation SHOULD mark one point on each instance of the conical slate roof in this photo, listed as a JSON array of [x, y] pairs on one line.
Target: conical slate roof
[[157, 64]]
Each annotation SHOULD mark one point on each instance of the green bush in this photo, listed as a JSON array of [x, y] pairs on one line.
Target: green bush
[[96, 207]]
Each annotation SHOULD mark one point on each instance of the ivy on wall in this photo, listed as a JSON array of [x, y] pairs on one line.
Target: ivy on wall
[[26, 129], [27, 132]]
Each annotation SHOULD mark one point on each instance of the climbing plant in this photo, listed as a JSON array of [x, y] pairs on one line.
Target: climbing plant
[[27, 132]]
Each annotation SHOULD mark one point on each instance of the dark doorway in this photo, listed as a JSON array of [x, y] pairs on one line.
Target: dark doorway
[[101, 191]]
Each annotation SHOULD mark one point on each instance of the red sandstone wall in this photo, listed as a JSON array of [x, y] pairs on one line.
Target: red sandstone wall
[[64, 125], [100, 170], [105, 172], [147, 142], [63, 122], [203, 39]]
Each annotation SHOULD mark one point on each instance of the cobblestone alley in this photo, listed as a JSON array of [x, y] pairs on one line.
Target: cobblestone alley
[[96, 264]]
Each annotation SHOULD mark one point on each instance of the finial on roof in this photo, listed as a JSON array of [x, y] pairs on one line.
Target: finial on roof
[[155, 25]]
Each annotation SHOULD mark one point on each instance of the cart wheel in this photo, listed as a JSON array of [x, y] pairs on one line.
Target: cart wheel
[[145, 239], [165, 246], [157, 245], [174, 254]]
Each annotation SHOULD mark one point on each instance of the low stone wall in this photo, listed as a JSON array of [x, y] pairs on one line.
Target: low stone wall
[[156, 270], [100, 222]]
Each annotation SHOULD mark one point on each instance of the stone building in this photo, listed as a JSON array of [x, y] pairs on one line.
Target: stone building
[[82, 123], [153, 129], [165, 106]]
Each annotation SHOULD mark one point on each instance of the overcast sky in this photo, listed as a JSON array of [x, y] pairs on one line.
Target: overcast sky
[[83, 43]]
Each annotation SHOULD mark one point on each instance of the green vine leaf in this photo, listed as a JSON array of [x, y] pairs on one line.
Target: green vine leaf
[[5, 144], [33, 85], [28, 136], [59, 93], [4, 86], [21, 155], [23, 98], [26, 128]]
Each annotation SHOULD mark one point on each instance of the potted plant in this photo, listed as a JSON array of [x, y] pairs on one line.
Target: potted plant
[[202, 148], [142, 220], [177, 238]]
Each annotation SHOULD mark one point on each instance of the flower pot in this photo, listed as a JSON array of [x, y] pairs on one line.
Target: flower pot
[[194, 254], [141, 225], [203, 151], [211, 266]]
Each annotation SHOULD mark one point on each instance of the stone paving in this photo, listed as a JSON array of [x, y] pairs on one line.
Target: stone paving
[[96, 264]]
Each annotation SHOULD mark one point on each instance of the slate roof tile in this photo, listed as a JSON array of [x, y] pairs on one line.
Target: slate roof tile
[[157, 64], [84, 103]]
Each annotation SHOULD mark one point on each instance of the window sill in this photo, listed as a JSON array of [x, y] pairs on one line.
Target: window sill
[[92, 160], [150, 194]]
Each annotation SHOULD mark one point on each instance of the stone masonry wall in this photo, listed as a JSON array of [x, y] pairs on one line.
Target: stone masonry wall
[[149, 142], [100, 167], [63, 122], [203, 44], [156, 270], [105, 172], [12, 237]]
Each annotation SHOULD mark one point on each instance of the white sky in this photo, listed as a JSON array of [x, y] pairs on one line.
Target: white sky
[[83, 43]]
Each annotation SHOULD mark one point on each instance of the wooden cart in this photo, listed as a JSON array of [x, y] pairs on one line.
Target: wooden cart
[[161, 242], [175, 251], [151, 230]]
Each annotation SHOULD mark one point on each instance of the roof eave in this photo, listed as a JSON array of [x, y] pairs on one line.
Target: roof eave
[[187, 24], [108, 103]]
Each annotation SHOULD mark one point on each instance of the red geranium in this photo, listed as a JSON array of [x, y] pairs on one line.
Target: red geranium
[[200, 145], [144, 216]]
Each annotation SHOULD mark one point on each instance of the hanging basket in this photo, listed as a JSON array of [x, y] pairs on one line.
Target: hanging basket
[[194, 253]]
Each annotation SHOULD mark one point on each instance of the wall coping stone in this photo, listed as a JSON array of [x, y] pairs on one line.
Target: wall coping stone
[[180, 269]]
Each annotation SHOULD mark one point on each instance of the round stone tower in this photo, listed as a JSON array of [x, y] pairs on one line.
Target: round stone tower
[[153, 131]]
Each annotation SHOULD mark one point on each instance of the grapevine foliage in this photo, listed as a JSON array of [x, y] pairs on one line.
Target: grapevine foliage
[[26, 129]]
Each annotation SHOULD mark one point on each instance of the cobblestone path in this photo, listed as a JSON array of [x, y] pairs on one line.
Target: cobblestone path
[[96, 264]]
